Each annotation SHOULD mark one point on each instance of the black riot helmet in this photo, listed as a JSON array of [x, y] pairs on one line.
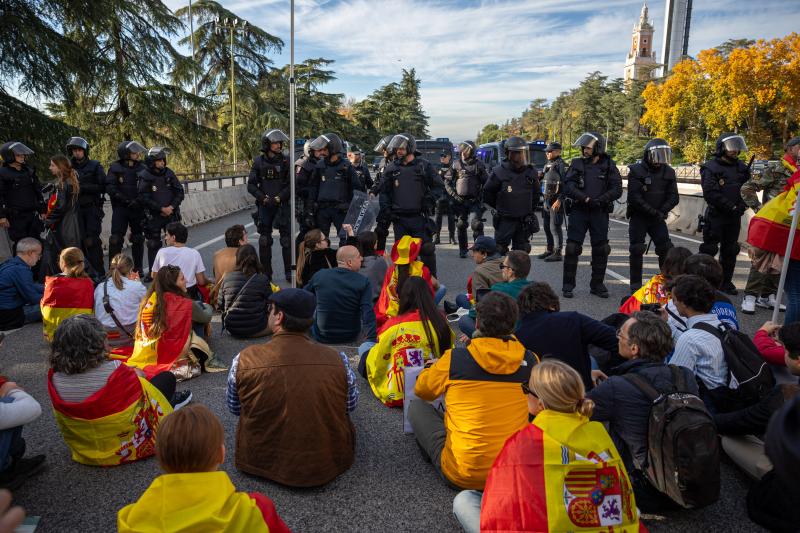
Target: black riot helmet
[[517, 144], [272, 136], [383, 144], [78, 142], [10, 150], [730, 142], [402, 140], [126, 148], [657, 152], [467, 149], [592, 139], [331, 141], [156, 153]]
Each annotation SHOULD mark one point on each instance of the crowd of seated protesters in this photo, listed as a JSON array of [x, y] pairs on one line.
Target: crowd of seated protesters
[[244, 296], [187, 259], [67, 294], [373, 266], [20, 294], [224, 259], [416, 335], [17, 408], [314, 254], [116, 301], [487, 272], [656, 290]]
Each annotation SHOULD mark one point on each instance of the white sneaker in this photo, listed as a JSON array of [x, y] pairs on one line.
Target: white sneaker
[[749, 304], [764, 303], [772, 299]]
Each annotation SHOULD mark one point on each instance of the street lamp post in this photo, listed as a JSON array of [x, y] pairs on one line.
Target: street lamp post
[[194, 88], [232, 25]]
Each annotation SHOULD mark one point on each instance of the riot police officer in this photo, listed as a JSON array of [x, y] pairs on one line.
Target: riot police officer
[[382, 227], [332, 184], [122, 185], [722, 178], [408, 193], [466, 192], [652, 193], [161, 194], [553, 205], [303, 171], [92, 181], [444, 206], [356, 158], [22, 205], [592, 183], [513, 191], [269, 184]]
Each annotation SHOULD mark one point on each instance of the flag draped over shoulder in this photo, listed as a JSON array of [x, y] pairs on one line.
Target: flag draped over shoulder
[[64, 297], [404, 252], [154, 355], [116, 424], [769, 228], [652, 292], [560, 473]]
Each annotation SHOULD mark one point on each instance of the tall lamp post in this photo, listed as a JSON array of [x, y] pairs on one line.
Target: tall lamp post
[[232, 25], [194, 88]]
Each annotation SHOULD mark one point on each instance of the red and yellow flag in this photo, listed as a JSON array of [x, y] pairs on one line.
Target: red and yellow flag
[[116, 424], [154, 355], [652, 292], [769, 228], [63, 298], [404, 252]]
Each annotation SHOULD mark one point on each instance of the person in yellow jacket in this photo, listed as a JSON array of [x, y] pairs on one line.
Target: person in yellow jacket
[[480, 385], [193, 495], [418, 333]]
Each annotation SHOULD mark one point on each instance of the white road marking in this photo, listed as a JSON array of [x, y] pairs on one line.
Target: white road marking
[[216, 239], [743, 254]]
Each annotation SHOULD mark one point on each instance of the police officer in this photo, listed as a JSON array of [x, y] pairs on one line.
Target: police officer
[[122, 185], [22, 205], [356, 158], [92, 181], [513, 191], [161, 194], [269, 184], [592, 183], [553, 209], [444, 206], [332, 184], [303, 171], [722, 178], [382, 227], [408, 193], [466, 192], [652, 193]]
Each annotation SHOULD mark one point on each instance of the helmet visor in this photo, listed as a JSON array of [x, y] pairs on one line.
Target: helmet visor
[[135, 148], [734, 143], [276, 136], [319, 143], [20, 149], [520, 156], [587, 140], [398, 141], [381, 146], [659, 155], [157, 152], [77, 142], [467, 150]]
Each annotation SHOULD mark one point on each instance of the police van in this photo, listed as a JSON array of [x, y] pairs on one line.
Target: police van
[[492, 154], [431, 149]]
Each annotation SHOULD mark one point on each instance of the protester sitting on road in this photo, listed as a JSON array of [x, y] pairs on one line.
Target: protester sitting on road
[[708, 268], [514, 268], [772, 341], [542, 320], [292, 397], [314, 254], [645, 341], [20, 295], [487, 272], [225, 258], [17, 408], [374, 266], [117, 300], [244, 297], [188, 259], [480, 384], [404, 266], [655, 290], [190, 450], [533, 487], [417, 334], [69, 293], [108, 413], [344, 301]]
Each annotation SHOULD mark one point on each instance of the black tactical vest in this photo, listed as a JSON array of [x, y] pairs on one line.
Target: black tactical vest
[[468, 184], [407, 185], [729, 178], [515, 197], [159, 188], [552, 179], [88, 173], [593, 175], [334, 183], [656, 183], [270, 176], [19, 188], [126, 178]]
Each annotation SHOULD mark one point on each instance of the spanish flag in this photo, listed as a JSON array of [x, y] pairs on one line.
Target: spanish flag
[[63, 298], [769, 228], [652, 292], [116, 424], [155, 355], [404, 252], [560, 473], [199, 501]]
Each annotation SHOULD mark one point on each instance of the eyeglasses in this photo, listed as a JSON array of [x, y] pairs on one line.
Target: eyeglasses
[[620, 335], [527, 390], [505, 266]]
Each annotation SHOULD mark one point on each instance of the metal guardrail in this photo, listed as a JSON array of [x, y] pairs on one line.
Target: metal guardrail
[[215, 182], [683, 174]]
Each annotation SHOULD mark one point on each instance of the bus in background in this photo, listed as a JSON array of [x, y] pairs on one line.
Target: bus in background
[[431, 149]]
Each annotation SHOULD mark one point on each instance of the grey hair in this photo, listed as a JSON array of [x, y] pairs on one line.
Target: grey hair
[[652, 334], [28, 244], [79, 344]]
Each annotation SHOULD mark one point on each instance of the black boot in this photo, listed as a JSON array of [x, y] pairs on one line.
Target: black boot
[[545, 253], [452, 239], [554, 257], [636, 266], [570, 270], [599, 263], [436, 238]]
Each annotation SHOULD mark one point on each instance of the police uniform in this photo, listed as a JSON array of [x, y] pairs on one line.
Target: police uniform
[[552, 220], [269, 182], [652, 194], [363, 175], [158, 189], [600, 183], [444, 206], [92, 181], [466, 191], [513, 193], [21, 202], [331, 191], [303, 171], [122, 185]]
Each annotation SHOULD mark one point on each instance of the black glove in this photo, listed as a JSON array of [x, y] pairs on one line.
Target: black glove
[[268, 201], [532, 223], [740, 209]]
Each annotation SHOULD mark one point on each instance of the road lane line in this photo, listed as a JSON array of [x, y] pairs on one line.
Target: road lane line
[[216, 239], [743, 254]]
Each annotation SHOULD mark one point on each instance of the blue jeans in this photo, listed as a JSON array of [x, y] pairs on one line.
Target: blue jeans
[[467, 325], [33, 313], [467, 510], [440, 292], [462, 300], [363, 350], [12, 445], [791, 291]]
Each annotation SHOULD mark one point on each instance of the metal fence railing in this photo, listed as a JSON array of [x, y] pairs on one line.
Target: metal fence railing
[[197, 184], [684, 174]]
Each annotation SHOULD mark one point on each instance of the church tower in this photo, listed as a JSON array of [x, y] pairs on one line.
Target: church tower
[[641, 60]]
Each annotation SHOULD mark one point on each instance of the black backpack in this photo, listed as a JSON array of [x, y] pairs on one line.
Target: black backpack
[[682, 443], [745, 364]]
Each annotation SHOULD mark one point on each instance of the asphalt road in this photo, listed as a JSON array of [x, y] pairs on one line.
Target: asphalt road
[[389, 488]]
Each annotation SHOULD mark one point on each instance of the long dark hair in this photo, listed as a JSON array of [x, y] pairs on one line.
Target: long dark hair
[[416, 296], [247, 260], [164, 281], [66, 174]]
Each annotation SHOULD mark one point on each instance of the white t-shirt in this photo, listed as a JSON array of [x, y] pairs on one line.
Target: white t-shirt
[[188, 259], [125, 302]]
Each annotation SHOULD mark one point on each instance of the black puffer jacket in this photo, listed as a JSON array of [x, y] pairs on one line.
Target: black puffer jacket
[[248, 315]]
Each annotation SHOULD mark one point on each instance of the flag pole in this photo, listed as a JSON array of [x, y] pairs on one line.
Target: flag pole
[[786, 258]]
